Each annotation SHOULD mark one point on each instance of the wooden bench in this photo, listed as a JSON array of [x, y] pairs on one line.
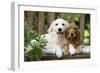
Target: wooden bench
[[78, 56]]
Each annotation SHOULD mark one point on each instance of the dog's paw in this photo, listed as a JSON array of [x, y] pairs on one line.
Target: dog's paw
[[59, 53], [65, 51], [59, 56], [72, 50]]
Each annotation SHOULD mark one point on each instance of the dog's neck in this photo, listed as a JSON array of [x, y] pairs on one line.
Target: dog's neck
[[62, 41]]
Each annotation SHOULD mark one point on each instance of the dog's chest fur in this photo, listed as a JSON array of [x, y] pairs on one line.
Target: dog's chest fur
[[62, 42]]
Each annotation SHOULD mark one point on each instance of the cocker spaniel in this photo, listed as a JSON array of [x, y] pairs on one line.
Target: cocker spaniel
[[72, 34]]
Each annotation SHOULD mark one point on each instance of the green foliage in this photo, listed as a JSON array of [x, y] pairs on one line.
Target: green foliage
[[87, 18], [86, 41], [33, 55], [87, 30], [77, 18], [86, 33], [29, 36], [86, 37], [66, 17], [37, 43]]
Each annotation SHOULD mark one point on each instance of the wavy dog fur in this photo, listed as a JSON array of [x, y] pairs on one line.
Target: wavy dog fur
[[72, 34]]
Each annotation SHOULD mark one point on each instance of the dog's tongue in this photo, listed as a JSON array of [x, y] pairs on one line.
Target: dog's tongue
[[60, 35]]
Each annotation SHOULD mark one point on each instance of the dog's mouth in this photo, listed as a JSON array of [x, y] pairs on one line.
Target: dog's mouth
[[60, 35]]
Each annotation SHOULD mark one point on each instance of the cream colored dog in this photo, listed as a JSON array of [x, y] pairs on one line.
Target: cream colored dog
[[55, 37]]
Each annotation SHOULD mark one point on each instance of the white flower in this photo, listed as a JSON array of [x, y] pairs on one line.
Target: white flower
[[28, 48], [33, 41]]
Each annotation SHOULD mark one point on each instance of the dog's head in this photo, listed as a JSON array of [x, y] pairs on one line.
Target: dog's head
[[58, 26], [72, 32]]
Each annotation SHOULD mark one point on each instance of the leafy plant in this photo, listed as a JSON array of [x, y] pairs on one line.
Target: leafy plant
[[28, 36], [86, 37], [35, 43]]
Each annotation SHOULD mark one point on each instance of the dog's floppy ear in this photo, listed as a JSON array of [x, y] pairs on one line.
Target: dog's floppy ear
[[50, 29], [66, 32], [79, 34], [78, 38]]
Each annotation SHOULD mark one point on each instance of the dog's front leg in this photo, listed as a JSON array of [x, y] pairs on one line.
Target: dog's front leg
[[59, 52], [71, 49], [78, 49], [66, 50]]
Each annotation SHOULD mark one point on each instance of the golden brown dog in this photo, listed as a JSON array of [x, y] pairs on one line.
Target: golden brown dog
[[72, 34]]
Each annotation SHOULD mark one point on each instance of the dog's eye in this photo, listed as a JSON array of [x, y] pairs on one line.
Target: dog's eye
[[75, 28], [69, 28], [63, 24], [56, 24]]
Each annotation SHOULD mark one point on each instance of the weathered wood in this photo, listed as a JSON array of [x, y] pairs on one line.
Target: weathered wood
[[78, 56], [35, 21], [29, 15], [51, 17], [82, 23], [41, 23], [62, 15], [72, 18]]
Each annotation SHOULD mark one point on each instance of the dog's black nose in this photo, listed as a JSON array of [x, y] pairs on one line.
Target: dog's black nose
[[59, 29], [72, 34]]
